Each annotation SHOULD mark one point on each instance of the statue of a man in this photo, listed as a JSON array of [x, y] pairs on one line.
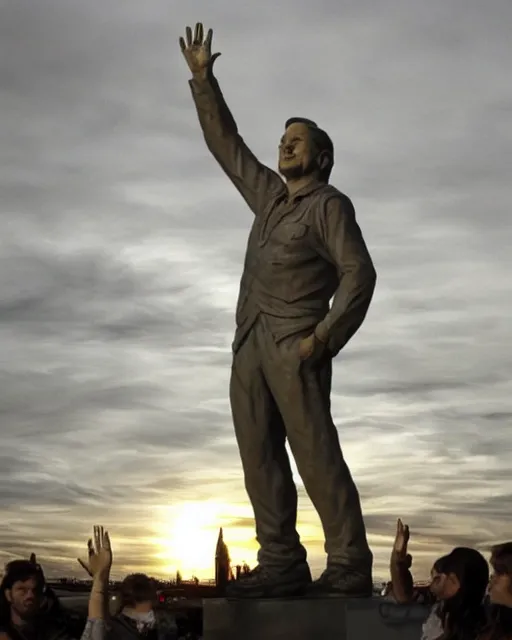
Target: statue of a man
[[305, 248]]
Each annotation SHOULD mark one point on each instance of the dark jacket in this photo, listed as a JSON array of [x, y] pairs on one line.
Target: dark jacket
[[42, 630], [121, 627]]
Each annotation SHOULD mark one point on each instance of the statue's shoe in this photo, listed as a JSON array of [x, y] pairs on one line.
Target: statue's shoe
[[270, 582], [342, 582]]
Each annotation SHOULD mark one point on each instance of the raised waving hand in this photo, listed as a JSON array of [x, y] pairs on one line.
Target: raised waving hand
[[197, 49]]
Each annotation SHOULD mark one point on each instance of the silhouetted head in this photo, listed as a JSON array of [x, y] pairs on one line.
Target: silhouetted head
[[138, 591], [305, 149], [500, 587], [463, 571], [21, 591], [500, 592], [459, 581]]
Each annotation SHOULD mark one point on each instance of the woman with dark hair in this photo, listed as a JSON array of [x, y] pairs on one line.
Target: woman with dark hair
[[458, 583], [500, 594], [137, 615]]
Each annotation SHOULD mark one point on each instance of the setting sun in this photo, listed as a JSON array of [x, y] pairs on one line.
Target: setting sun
[[187, 537]]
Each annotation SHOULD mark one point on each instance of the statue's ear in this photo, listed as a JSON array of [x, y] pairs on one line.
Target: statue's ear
[[324, 160]]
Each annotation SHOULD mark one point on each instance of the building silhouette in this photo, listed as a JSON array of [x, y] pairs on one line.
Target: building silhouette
[[222, 563]]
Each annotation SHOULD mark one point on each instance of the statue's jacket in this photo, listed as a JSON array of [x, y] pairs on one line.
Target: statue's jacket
[[301, 253]]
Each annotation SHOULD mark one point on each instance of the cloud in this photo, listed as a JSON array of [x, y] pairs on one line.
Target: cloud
[[122, 248]]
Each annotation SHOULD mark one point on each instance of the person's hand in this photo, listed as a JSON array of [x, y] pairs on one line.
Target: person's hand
[[401, 539], [311, 349], [99, 554], [197, 50]]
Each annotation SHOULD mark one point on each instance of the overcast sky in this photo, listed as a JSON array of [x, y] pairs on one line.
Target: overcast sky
[[121, 250]]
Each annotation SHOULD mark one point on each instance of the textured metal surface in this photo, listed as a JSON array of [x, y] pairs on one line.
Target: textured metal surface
[[303, 619], [380, 620]]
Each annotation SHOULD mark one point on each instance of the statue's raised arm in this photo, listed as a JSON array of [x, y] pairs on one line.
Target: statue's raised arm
[[305, 249], [257, 183]]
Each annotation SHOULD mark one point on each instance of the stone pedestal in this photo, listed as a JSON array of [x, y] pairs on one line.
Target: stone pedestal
[[311, 619]]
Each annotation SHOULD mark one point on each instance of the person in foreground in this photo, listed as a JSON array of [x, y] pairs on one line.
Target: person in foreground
[[137, 616], [500, 594], [22, 616], [459, 582], [50, 606], [305, 248]]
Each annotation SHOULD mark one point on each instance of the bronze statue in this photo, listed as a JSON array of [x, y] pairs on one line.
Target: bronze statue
[[305, 248]]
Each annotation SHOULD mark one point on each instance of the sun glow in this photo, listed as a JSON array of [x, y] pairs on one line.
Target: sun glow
[[188, 536]]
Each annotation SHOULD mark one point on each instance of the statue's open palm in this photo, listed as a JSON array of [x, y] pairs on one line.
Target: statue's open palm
[[197, 50]]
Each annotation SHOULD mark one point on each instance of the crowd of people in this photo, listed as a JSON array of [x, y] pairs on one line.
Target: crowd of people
[[467, 600], [30, 609]]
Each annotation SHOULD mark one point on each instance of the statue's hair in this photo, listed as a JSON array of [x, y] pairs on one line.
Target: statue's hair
[[321, 140]]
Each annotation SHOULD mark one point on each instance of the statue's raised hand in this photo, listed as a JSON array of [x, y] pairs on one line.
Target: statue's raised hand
[[197, 50]]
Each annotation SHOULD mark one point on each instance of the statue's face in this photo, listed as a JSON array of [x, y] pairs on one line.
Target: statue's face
[[296, 152]]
